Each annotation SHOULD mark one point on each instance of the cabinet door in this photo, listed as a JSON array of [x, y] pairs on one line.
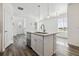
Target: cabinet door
[[39, 45]]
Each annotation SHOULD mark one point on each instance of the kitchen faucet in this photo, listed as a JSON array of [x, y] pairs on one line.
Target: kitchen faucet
[[43, 27]]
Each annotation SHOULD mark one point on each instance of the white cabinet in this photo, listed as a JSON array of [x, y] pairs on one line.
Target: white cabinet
[[37, 44], [43, 45], [48, 45]]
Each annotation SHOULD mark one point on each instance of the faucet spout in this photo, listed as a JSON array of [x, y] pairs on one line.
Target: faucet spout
[[43, 27]]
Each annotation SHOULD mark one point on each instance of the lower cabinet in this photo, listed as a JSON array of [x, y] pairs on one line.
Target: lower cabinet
[[43, 46], [48, 45], [37, 44]]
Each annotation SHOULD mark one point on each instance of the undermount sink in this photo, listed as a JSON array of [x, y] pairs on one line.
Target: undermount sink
[[41, 32]]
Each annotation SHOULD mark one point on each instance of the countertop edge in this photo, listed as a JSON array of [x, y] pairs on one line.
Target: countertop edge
[[44, 34]]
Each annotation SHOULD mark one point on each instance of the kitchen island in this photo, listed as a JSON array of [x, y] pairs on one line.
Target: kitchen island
[[44, 44]]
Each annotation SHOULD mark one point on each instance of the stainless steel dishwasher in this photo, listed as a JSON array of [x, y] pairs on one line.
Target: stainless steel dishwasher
[[29, 39]]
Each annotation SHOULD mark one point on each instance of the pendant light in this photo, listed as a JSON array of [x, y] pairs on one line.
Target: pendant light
[[48, 10], [39, 10]]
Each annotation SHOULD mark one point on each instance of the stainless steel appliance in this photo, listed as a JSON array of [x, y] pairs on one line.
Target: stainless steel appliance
[[29, 39]]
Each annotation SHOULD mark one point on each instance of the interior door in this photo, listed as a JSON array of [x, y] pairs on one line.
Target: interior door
[[8, 33], [8, 25]]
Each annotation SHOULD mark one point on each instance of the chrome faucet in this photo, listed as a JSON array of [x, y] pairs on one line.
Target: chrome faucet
[[43, 27]]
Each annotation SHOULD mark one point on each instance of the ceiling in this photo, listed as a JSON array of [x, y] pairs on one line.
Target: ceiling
[[32, 10]]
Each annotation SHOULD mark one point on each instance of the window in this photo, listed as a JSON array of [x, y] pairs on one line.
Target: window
[[62, 23]]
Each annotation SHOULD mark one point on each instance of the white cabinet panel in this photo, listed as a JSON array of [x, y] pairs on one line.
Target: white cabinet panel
[[39, 46], [48, 45]]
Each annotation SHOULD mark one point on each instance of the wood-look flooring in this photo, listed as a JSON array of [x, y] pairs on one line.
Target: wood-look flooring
[[19, 48], [14, 51]]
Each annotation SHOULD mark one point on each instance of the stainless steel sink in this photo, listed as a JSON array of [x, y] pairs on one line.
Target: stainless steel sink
[[41, 32]]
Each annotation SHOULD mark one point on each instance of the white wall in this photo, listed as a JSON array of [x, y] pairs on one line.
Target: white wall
[[1, 27], [50, 25], [29, 24], [73, 24]]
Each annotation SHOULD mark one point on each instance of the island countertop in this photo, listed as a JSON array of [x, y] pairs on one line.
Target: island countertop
[[43, 34]]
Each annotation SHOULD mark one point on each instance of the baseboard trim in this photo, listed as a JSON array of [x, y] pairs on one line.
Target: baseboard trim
[[73, 46]]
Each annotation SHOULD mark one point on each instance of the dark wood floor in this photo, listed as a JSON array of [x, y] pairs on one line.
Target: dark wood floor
[[14, 51], [18, 48]]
